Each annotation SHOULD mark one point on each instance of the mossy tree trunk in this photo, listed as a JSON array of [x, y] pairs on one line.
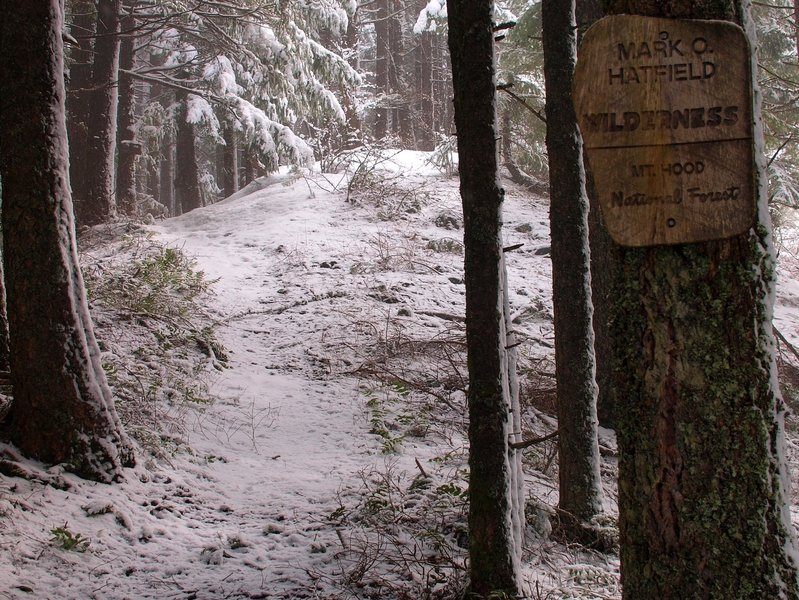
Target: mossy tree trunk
[[495, 517], [62, 410], [702, 483], [580, 484]]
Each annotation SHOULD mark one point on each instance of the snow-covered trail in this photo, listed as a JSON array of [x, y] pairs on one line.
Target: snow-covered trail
[[285, 433]]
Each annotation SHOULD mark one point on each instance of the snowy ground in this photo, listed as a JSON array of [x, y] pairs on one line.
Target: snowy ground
[[330, 463]]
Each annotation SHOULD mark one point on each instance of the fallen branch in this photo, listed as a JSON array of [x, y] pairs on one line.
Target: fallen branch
[[533, 441]]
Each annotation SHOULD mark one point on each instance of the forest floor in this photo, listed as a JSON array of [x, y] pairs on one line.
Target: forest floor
[[291, 362]]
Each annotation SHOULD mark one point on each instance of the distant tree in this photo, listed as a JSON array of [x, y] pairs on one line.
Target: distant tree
[[702, 478], [578, 449], [62, 411], [495, 514], [96, 204], [127, 149], [82, 25], [188, 193]]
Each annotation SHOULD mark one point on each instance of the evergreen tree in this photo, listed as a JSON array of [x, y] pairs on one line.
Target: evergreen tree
[[62, 410], [495, 512], [702, 494], [578, 449]]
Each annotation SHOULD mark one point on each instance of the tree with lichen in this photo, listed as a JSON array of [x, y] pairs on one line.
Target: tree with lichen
[[702, 480], [495, 508], [580, 485]]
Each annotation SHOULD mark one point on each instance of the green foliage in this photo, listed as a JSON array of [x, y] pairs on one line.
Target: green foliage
[[67, 540], [161, 363], [162, 284]]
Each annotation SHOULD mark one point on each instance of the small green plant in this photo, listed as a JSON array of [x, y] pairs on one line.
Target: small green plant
[[67, 540]]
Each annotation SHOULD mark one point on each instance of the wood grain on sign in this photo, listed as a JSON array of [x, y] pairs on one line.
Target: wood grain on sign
[[665, 110]]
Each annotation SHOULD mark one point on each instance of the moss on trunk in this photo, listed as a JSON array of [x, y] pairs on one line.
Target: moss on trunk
[[702, 504]]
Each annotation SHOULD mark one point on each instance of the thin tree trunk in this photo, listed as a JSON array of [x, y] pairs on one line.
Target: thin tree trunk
[[5, 351], [98, 206], [230, 161], [78, 96], [62, 412], [381, 67], [702, 496], [187, 177], [494, 535], [604, 264], [424, 68], [167, 174], [127, 149], [580, 484]]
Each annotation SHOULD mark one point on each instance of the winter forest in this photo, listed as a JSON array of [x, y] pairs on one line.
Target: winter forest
[[365, 299]]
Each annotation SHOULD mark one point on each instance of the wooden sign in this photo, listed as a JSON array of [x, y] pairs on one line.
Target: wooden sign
[[665, 110]]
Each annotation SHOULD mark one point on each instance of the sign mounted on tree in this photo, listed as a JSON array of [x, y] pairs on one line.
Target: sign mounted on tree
[[665, 110]]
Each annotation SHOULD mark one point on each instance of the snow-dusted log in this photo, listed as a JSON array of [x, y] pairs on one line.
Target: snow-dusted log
[[63, 411], [703, 490]]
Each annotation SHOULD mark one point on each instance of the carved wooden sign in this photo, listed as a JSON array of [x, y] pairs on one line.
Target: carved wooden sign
[[665, 110]]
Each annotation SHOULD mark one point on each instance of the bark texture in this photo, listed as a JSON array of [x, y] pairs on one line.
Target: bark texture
[[604, 263], [63, 411], [98, 206], [127, 149], [494, 538], [578, 450], [82, 28], [702, 494], [187, 175]]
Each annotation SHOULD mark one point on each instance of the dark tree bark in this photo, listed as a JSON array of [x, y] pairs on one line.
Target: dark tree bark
[[98, 205], [424, 69], [702, 498], [5, 351], [62, 411], [381, 67], [494, 517], [127, 149], [187, 175], [604, 264], [578, 450], [167, 174], [230, 161], [80, 82]]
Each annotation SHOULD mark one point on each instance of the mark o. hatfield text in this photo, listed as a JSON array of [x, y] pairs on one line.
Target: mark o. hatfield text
[[694, 63]]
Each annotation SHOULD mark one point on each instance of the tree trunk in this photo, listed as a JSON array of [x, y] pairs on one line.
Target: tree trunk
[[702, 481], [187, 176], [604, 264], [494, 535], [62, 411], [230, 161], [98, 204], [578, 450], [5, 351], [424, 68], [78, 96], [167, 174], [381, 67], [127, 149]]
